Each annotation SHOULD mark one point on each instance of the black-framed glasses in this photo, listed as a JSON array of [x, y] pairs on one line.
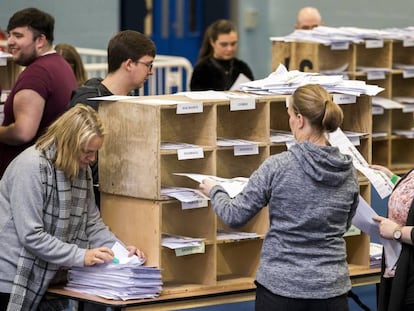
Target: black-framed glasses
[[148, 65]]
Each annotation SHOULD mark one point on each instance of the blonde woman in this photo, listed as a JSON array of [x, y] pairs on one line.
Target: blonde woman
[[72, 56], [48, 216]]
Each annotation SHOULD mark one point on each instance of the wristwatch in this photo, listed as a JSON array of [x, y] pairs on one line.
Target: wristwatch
[[397, 234]]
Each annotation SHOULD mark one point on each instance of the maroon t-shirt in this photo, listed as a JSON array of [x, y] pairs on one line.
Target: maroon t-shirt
[[52, 78]]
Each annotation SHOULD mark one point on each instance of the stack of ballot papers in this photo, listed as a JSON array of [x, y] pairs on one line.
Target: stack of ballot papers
[[282, 81], [375, 255], [124, 280]]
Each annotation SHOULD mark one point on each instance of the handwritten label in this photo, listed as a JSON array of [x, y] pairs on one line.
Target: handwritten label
[[375, 75], [408, 42], [408, 74], [344, 99], [352, 231], [190, 153], [340, 46], [194, 204], [183, 251], [185, 108], [247, 103], [374, 44], [241, 150]]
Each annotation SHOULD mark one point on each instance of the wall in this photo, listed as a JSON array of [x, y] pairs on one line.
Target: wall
[[87, 23]]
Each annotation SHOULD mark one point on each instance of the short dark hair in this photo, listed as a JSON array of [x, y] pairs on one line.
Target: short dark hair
[[37, 20], [128, 44]]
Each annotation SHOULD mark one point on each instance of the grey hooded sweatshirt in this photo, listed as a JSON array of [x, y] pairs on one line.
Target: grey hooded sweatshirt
[[312, 193]]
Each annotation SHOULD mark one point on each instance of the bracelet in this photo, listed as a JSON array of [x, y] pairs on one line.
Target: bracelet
[[394, 179]]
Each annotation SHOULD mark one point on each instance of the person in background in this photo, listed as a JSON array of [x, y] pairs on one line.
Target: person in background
[[48, 216], [41, 92], [130, 58], [308, 18], [72, 56], [396, 289], [217, 67], [312, 192]]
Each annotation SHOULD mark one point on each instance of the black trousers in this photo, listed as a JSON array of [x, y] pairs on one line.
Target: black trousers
[[4, 300], [267, 301]]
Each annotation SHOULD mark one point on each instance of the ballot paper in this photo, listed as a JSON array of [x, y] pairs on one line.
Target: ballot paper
[[378, 179], [233, 186], [128, 279], [363, 221]]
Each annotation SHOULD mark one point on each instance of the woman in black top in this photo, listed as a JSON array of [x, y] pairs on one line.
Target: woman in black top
[[396, 290], [217, 67]]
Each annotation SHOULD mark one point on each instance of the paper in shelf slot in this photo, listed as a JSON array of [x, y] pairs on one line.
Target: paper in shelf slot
[[185, 151], [189, 198], [404, 133], [125, 280], [378, 179], [241, 146], [233, 186], [375, 255], [183, 245], [237, 235]]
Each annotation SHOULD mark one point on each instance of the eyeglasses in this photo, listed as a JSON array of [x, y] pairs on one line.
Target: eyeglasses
[[148, 65]]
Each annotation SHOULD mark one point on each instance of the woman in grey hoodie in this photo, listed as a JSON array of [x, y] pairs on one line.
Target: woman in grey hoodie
[[312, 193]]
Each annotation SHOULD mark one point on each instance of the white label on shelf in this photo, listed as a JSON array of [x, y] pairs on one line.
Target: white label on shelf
[[377, 110], [408, 74], [408, 42], [183, 251], [344, 99], [190, 153], [240, 150], [184, 108], [352, 231], [194, 204], [374, 44], [340, 45], [3, 61], [375, 75], [246, 103]]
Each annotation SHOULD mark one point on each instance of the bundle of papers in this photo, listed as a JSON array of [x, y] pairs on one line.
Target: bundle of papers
[[124, 280], [189, 198], [236, 235], [116, 281], [282, 81], [332, 35], [375, 255]]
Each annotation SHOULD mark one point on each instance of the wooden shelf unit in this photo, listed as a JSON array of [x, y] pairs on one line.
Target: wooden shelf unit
[[133, 167], [389, 150]]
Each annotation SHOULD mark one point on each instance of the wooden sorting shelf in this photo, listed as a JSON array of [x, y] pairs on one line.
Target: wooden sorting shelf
[[385, 150], [133, 168]]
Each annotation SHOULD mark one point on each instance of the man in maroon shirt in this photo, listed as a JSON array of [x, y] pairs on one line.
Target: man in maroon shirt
[[41, 92]]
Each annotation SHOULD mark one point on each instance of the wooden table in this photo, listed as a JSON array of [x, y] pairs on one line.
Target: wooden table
[[193, 299]]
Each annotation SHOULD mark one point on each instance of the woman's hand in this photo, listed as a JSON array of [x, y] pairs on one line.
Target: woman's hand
[[98, 255], [386, 227], [206, 185], [133, 250], [383, 169]]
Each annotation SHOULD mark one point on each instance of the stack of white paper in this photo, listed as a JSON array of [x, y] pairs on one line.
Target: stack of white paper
[[116, 281], [124, 280], [282, 81]]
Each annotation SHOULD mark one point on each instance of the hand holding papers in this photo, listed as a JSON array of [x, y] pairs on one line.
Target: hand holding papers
[[233, 186], [363, 220]]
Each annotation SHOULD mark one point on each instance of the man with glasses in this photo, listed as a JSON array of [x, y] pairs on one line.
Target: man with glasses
[[130, 58], [41, 92]]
